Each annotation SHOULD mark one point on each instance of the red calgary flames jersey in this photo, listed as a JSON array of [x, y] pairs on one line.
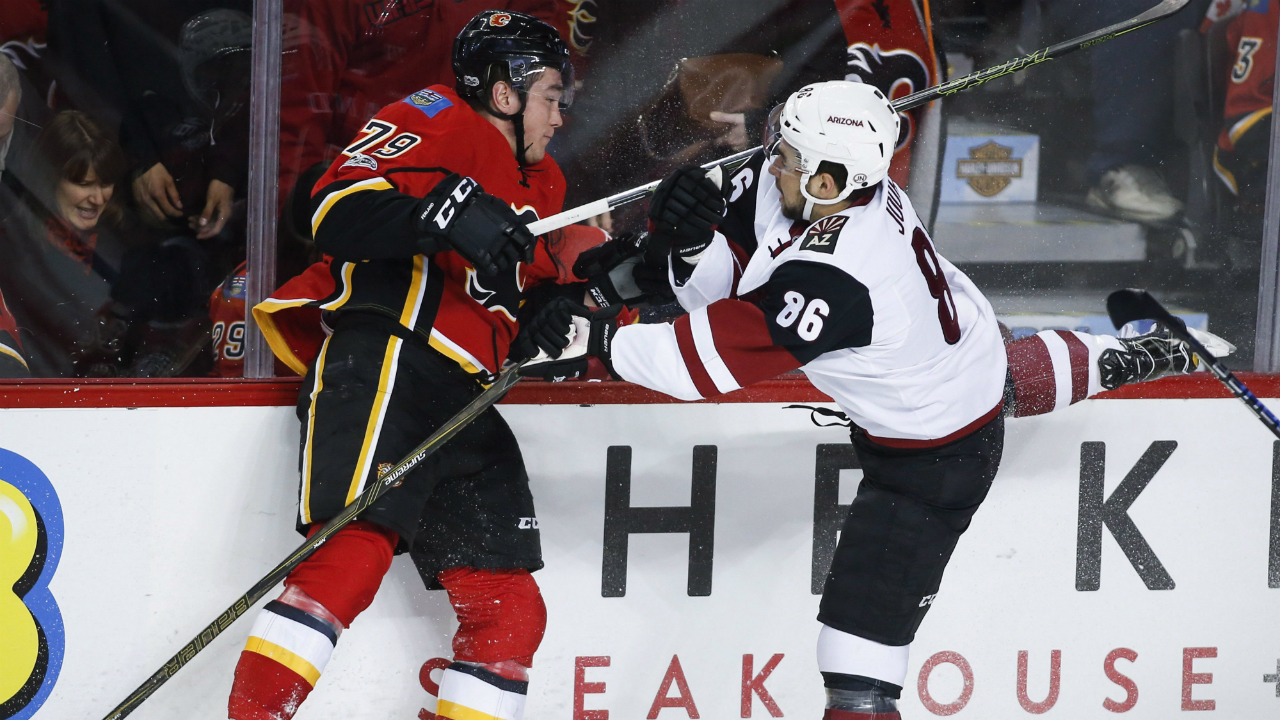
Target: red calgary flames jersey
[[226, 316], [226, 313], [1252, 36], [367, 204]]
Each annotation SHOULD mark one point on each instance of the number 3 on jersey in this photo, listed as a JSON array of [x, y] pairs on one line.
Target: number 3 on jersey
[[927, 259]]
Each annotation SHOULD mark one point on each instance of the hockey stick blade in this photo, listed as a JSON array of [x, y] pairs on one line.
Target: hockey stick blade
[[1126, 306], [385, 482], [909, 102]]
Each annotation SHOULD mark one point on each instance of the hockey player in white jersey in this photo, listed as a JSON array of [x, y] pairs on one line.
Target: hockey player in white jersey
[[816, 260]]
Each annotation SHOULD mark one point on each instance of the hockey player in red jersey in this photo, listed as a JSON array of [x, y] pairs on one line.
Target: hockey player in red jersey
[[425, 222], [817, 261]]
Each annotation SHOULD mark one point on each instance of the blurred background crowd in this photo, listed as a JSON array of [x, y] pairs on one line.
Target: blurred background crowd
[[124, 146]]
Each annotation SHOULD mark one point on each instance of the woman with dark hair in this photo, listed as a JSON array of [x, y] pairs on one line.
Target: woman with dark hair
[[59, 250]]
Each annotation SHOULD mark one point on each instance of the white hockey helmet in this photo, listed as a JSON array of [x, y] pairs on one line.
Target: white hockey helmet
[[848, 123]]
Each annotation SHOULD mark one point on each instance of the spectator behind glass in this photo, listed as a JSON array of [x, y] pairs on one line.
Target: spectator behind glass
[[10, 97], [23, 21], [201, 140], [22, 114], [1132, 87], [13, 361], [1240, 157], [59, 245]]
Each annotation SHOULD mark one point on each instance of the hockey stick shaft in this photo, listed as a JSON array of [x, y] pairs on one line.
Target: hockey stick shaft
[[1155, 14], [385, 482], [1128, 305], [909, 102], [626, 197]]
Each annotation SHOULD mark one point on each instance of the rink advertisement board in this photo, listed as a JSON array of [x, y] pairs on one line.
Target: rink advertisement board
[[1127, 561]]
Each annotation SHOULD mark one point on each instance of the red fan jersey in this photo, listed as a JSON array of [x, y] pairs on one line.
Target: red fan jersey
[[23, 21], [1252, 35], [226, 313], [346, 59], [890, 47], [366, 209], [12, 363]]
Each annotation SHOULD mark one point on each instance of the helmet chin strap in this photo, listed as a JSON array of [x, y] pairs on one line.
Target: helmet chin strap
[[517, 122], [810, 201]]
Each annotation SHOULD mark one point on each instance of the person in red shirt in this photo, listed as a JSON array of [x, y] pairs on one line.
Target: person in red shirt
[[24, 21], [1240, 158], [12, 363], [425, 223], [346, 59]]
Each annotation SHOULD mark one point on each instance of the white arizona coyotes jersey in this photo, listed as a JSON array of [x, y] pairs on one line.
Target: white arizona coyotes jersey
[[903, 342]]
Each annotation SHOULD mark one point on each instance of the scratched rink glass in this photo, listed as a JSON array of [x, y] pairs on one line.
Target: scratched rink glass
[[124, 157]]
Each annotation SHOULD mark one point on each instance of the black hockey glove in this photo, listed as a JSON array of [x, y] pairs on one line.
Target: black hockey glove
[[459, 215], [608, 255], [685, 210], [567, 334], [609, 270]]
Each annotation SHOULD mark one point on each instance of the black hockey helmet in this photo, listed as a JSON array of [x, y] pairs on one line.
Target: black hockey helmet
[[500, 45]]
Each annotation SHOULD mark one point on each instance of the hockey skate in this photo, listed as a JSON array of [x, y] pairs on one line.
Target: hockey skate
[[1154, 355], [860, 705]]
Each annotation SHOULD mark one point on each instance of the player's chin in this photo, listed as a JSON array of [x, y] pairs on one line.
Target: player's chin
[[535, 153], [792, 212]]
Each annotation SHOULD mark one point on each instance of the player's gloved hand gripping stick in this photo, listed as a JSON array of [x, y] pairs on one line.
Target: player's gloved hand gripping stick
[[459, 215], [510, 243], [1125, 306], [562, 335]]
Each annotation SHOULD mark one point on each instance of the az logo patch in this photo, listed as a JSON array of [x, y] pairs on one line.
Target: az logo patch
[[822, 235]]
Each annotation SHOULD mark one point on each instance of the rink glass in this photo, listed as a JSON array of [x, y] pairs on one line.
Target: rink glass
[[1017, 178]]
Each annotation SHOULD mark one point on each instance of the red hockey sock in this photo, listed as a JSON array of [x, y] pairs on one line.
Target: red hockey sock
[[265, 689], [501, 615], [294, 636], [344, 574]]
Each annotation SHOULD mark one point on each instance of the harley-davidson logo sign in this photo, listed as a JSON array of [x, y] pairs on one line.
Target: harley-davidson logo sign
[[989, 168]]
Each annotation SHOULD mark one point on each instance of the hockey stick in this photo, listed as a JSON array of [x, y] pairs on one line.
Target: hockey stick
[[385, 482], [1125, 306], [626, 197], [910, 102]]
